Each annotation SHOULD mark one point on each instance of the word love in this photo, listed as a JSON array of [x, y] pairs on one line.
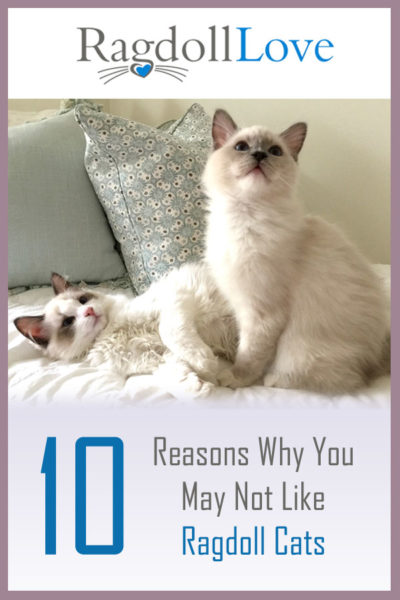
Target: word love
[[277, 50]]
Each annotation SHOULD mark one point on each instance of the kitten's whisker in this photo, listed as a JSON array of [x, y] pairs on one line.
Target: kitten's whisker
[[279, 175], [289, 185]]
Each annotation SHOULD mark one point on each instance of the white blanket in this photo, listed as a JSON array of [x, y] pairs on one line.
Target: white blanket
[[34, 379]]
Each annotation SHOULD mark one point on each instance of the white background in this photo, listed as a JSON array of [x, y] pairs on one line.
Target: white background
[[44, 46]]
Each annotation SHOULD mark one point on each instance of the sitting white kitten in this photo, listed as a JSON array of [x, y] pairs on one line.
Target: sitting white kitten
[[178, 326], [310, 311]]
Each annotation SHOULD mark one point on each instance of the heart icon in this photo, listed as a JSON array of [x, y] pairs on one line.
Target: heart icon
[[142, 69]]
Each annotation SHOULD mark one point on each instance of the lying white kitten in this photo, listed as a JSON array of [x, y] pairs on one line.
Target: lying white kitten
[[178, 326], [310, 311]]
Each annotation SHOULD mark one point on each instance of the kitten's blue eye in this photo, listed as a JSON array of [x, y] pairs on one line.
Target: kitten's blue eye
[[242, 146], [83, 299], [68, 321], [275, 151]]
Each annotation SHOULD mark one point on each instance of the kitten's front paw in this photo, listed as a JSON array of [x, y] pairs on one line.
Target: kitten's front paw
[[177, 377], [271, 380], [95, 359], [227, 379], [205, 366], [196, 386]]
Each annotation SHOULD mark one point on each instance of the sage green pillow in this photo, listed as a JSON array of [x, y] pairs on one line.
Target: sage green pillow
[[55, 221]]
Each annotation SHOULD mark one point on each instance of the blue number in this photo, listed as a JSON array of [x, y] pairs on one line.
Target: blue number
[[118, 495], [49, 469]]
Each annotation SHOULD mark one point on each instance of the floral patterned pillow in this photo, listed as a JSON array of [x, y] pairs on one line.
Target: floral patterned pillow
[[148, 182]]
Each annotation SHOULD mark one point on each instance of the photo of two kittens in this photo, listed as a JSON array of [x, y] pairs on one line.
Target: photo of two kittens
[[283, 296]]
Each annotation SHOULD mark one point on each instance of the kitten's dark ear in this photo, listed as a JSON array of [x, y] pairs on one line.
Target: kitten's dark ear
[[59, 283], [32, 328], [294, 138], [223, 128]]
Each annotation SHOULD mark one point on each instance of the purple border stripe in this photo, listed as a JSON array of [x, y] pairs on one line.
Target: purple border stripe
[[282, 595]]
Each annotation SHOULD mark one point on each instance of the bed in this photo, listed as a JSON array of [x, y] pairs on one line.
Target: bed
[[35, 380]]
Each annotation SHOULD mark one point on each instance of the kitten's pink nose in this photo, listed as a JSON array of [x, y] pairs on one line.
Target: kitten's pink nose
[[89, 312]]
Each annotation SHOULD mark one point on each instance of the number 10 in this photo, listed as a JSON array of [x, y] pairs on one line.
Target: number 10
[[49, 469]]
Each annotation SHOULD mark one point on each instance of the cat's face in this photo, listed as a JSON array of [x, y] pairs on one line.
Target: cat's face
[[252, 162], [71, 321]]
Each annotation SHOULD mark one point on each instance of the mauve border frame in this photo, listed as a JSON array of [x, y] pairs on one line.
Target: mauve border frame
[[395, 160]]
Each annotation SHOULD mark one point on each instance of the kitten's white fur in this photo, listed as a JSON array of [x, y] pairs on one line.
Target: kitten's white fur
[[310, 311], [177, 329]]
